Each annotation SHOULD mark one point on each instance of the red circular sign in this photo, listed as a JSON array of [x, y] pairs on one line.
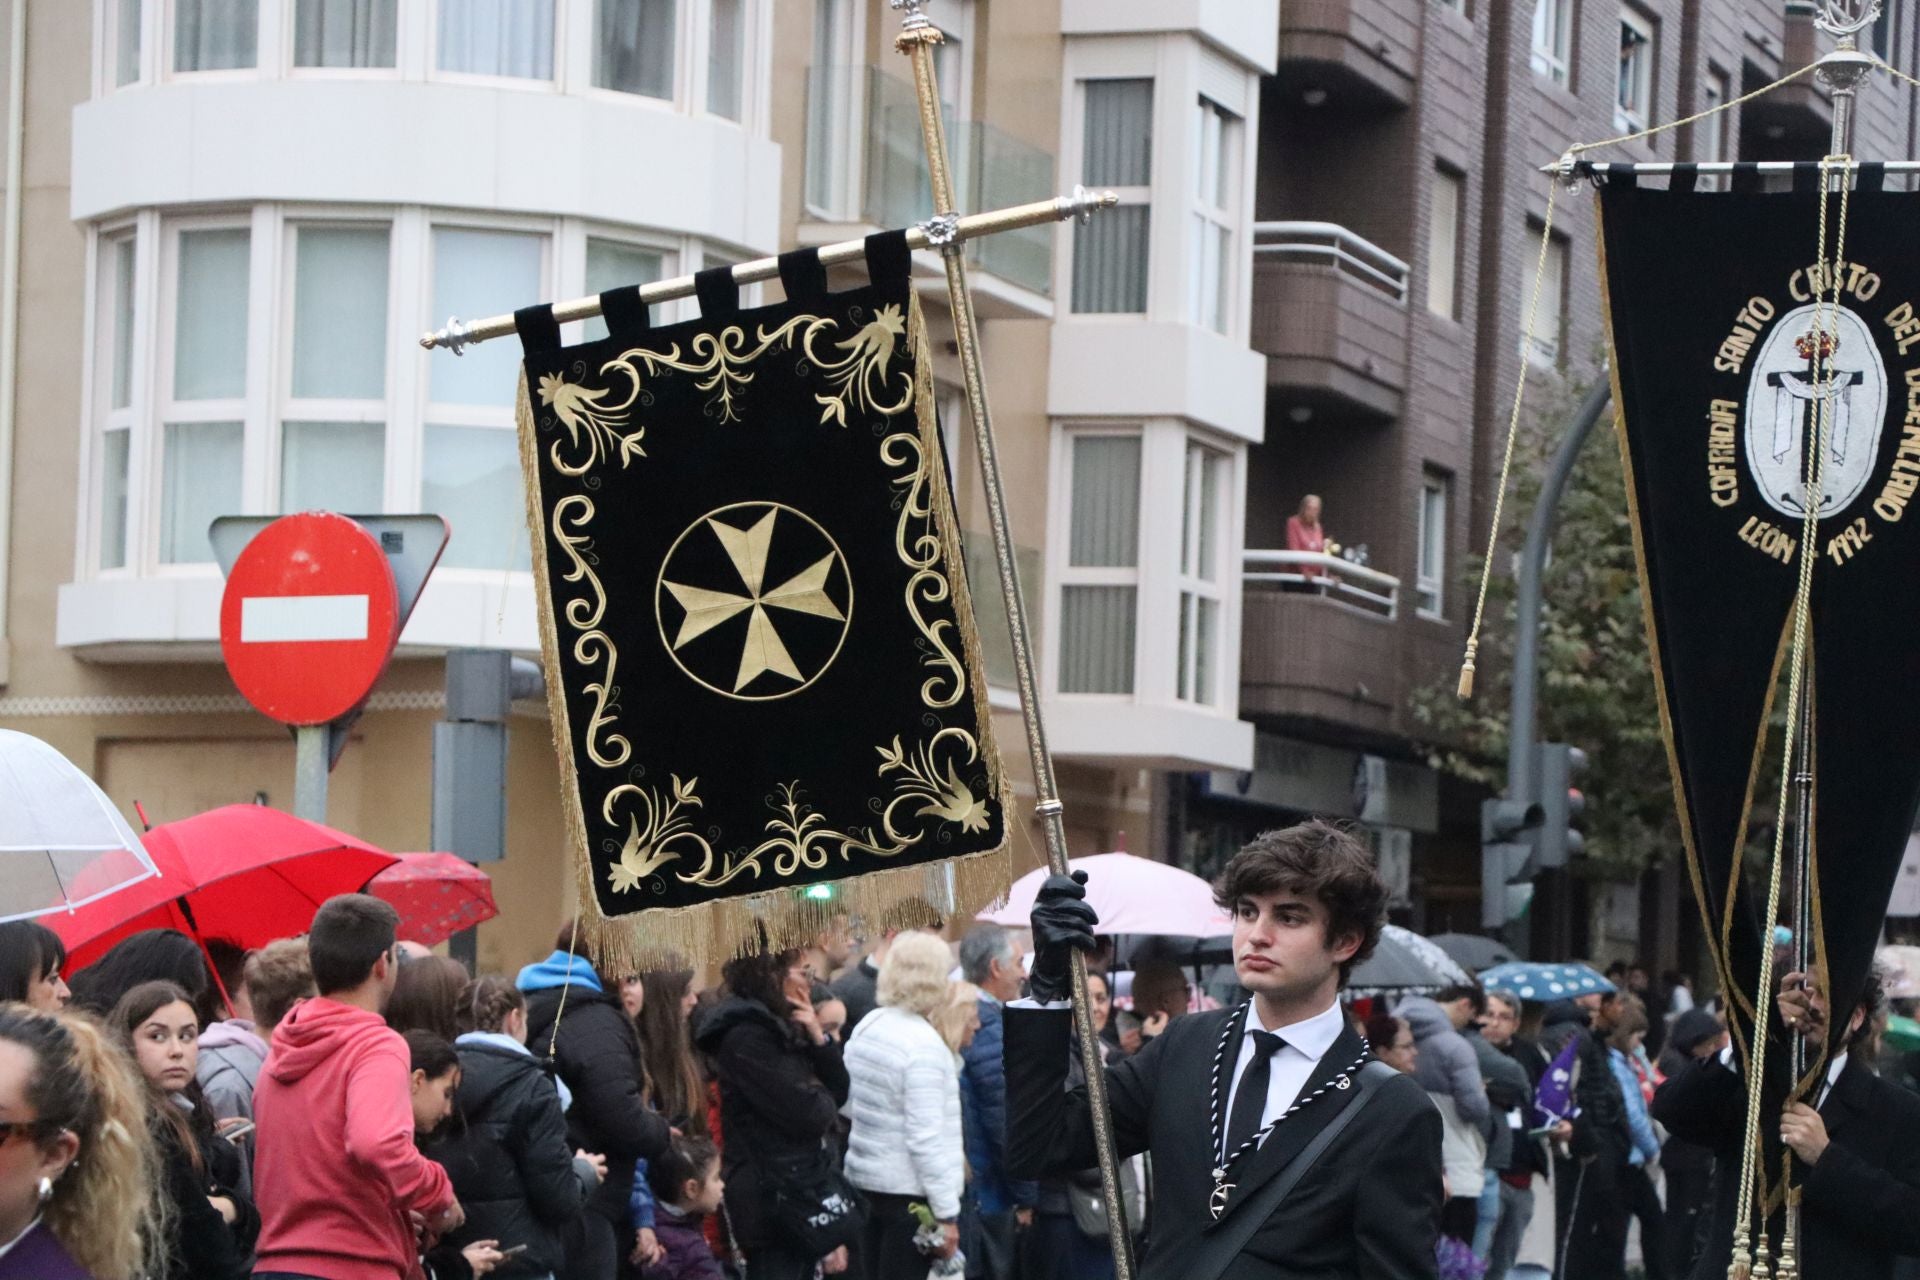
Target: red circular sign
[[309, 618]]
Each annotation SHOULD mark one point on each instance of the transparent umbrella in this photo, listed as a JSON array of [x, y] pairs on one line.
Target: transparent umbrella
[[62, 843]]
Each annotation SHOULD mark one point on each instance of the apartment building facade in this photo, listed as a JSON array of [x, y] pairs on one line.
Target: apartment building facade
[[236, 215], [1399, 219]]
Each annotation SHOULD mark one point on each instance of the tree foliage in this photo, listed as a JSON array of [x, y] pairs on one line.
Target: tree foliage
[[1595, 678]]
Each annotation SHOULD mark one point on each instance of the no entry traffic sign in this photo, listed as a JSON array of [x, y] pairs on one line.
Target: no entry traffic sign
[[309, 618]]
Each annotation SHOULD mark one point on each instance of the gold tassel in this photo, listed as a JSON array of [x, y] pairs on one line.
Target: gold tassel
[[1465, 690], [1763, 1260], [1741, 1265]]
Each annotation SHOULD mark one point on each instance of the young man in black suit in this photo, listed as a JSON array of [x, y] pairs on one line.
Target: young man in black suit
[[1278, 1150], [1856, 1149]]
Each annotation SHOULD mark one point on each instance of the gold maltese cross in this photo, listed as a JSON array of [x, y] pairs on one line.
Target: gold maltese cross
[[809, 578]]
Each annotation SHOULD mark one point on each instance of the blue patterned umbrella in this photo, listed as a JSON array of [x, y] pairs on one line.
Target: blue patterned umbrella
[[1547, 983]]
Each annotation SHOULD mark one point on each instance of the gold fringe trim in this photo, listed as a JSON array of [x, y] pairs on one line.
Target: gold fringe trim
[[921, 895]]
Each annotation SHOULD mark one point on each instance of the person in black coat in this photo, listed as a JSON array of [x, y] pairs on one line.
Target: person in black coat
[[1587, 1182], [597, 1056], [506, 1146], [1856, 1154], [782, 1084], [1259, 1082]]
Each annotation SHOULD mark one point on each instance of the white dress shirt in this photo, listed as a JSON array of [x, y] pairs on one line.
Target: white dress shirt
[[1307, 1042]]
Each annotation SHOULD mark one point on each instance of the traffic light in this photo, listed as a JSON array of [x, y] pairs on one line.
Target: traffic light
[[1505, 857], [1559, 841]]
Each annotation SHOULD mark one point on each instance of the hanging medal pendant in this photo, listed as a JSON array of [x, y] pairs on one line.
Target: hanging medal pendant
[[1217, 1202]]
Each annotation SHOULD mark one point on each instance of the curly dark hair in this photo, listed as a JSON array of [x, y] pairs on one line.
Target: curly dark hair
[[1315, 860], [762, 976]]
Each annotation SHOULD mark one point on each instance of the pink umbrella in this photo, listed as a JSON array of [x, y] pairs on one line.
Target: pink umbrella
[[436, 894], [1132, 895]]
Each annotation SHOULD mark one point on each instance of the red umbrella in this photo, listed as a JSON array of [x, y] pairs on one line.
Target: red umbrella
[[436, 894], [244, 872]]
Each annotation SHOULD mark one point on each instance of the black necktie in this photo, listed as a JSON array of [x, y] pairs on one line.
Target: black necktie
[[1250, 1098]]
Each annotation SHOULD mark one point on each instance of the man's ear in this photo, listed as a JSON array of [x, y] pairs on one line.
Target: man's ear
[[1345, 947]]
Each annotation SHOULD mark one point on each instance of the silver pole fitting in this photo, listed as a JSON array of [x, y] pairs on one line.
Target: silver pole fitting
[[942, 229], [1048, 808]]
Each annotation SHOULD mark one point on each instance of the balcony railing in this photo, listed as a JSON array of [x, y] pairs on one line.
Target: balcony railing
[[866, 163], [1330, 244], [1364, 589]]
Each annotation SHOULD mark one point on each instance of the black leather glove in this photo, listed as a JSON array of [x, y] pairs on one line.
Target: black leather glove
[[1062, 922]]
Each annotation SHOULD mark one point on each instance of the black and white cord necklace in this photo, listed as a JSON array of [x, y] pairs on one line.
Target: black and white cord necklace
[[1229, 1035]]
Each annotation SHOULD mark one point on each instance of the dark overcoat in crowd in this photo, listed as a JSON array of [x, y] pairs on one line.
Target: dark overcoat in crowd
[[1861, 1205], [506, 1150], [780, 1100], [1368, 1207], [598, 1054]]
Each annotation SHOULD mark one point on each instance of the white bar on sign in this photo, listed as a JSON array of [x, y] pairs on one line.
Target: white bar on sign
[[302, 618]]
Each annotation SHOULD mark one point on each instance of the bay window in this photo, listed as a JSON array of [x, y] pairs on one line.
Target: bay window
[[1216, 203], [1144, 564], [1110, 252], [509, 38], [471, 461], [633, 46], [613, 263], [726, 57], [1100, 579], [214, 35], [333, 420], [123, 35], [114, 309], [698, 55], [256, 362], [345, 33], [1202, 571], [203, 413]]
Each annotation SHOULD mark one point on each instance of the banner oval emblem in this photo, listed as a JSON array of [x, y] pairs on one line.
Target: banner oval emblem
[[1783, 401]]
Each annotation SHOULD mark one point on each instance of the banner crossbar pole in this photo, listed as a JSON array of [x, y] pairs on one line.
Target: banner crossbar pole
[[931, 234]]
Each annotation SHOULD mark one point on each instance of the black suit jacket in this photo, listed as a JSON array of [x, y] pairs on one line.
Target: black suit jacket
[[1862, 1201], [1369, 1207]]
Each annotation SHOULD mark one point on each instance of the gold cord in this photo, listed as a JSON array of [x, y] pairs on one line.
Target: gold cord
[[1467, 662], [1827, 296]]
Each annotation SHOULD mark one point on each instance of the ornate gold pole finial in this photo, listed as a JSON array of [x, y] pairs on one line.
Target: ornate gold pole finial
[[915, 26]]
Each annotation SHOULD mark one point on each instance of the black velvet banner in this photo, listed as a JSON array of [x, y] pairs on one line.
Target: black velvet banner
[[759, 646], [1716, 329]]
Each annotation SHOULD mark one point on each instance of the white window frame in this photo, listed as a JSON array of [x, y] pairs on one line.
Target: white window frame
[[1063, 574], [1552, 314], [843, 136], [1216, 137], [1638, 77], [1125, 196], [285, 407], [1430, 571], [267, 36], [1553, 23], [1193, 585], [410, 22], [1157, 576], [97, 397], [558, 79], [1449, 184]]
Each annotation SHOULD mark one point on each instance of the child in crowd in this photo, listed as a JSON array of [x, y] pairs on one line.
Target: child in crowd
[[686, 1187]]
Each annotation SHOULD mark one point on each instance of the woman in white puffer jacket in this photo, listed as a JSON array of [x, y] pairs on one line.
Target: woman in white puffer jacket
[[905, 1143]]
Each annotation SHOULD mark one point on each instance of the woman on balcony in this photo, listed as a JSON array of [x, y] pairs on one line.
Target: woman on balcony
[[1305, 533]]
